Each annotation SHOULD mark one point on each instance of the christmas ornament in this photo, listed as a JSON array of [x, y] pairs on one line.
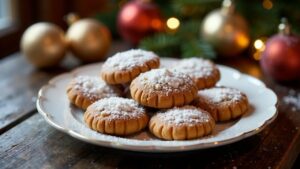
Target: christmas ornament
[[43, 44], [281, 57], [137, 19], [226, 30], [88, 39]]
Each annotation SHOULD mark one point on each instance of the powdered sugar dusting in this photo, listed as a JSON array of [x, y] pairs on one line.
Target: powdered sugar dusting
[[129, 59], [196, 67], [165, 80], [218, 95], [117, 108], [184, 115], [93, 87], [143, 141]]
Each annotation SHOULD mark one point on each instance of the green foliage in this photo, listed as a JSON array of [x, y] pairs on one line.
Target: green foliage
[[162, 44], [197, 48], [264, 22], [189, 30], [184, 43]]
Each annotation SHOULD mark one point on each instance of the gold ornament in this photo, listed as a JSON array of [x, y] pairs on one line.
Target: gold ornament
[[226, 30], [43, 44], [88, 40]]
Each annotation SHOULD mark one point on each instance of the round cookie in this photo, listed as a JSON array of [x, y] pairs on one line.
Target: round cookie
[[183, 123], [116, 116], [123, 67], [162, 88], [223, 103], [204, 72], [82, 91]]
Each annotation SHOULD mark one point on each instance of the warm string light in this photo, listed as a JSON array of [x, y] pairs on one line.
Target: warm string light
[[259, 47], [173, 24], [259, 44]]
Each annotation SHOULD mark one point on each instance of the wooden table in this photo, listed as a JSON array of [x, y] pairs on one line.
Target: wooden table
[[27, 141]]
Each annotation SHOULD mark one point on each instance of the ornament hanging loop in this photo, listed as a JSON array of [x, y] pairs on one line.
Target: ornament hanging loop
[[284, 27], [228, 7]]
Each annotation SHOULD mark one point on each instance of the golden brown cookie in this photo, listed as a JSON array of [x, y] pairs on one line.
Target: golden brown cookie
[[162, 88], [223, 103], [82, 91], [182, 123], [204, 72], [116, 116], [123, 67]]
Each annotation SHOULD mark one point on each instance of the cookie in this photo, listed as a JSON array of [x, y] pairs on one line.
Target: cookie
[[182, 123], [123, 67], [82, 91], [223, 103], [162, 88], [116, 116], [204, 72]]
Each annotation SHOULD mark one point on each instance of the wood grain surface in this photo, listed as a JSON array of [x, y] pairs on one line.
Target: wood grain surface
[[19, 86], [35, 144], [20, 82]]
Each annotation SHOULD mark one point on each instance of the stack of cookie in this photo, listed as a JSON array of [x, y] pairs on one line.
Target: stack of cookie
[[185, 98]]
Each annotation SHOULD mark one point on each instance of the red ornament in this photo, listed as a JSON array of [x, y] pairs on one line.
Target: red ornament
[[281, 57], [139, 18]]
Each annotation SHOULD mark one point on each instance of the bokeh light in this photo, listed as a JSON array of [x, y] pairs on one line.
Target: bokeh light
[[259, 44], [173, 23], [259, 47]]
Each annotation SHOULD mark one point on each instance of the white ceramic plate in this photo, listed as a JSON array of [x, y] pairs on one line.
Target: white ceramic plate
[[54, 106]]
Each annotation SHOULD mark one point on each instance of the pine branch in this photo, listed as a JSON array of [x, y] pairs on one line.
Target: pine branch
[[198, 48], [162, 44], [184, 43]]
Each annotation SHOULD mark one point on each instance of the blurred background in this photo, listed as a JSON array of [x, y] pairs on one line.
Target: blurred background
[[178, 21], [17, 15]]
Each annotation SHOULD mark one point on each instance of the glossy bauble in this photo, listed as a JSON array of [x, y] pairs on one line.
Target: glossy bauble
[[138, 19], [281, 57], [226, 31], [43, 44], [89, 40]]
